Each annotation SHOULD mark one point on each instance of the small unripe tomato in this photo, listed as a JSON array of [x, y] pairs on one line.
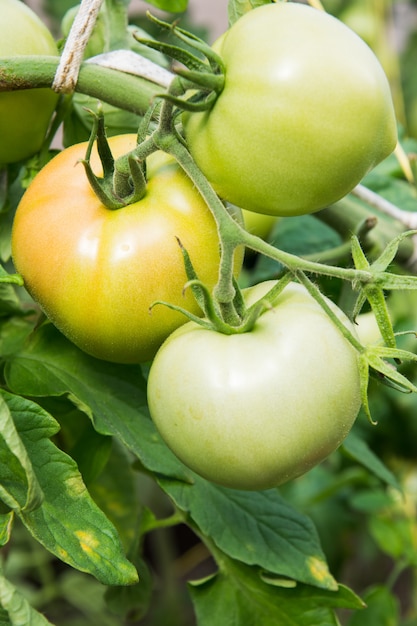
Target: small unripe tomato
[[254, 410], [24, 115]]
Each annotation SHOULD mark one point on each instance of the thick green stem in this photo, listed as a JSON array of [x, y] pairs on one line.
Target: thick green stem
[[126, 91], [232, 235], [345, 215], [229, 231]]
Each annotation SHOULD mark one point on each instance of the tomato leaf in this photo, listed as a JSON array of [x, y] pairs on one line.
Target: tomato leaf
[[13, 334], [9, 303], [395, 190], [382, 609], [237, 8], [17, 607], [254, 527], [83, 537], [172, 6], [357, 449], [241, 598], [19, 487], [112, 395], [5, 277], [6, 521], [394, 534], [113, 490], [132, 601]]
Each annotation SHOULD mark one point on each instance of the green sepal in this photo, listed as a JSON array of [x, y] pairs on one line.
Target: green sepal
[[372, 361], [175, 52], [364, 383], [103, 147], [14, 279], [205, 80], [123, 181], [191, 317], [238, 301], [210, 308], [192, 277], [391, 282], [376, 356], [215, 61], [373, 292], [271, 296], [194, 104]]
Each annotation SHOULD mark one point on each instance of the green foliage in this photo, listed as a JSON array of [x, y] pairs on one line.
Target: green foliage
[[16, 609], [83, 538], [239, 7], [382, 608], [173, 6], [246, 599]]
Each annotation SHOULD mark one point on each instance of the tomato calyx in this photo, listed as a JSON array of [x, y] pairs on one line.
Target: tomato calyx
[[228, 318], [203, 74], [123, 181]]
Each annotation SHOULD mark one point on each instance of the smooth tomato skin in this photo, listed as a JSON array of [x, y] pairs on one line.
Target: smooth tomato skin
[[305, 113], [367, 329], [95, 272], [24, 115], [259, 224], [253, 411]]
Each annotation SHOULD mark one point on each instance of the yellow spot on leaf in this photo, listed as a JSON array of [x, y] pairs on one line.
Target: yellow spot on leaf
[[75, 486], [88, 541], [320, 572], [63, 554]]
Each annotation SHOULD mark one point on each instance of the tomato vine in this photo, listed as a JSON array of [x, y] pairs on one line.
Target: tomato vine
[[183, 395]]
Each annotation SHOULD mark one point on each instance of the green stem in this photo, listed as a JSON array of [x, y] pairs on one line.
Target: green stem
[[166, 522], [295, 263], [345, 215], [317, 295], [126, 91], [396, 572], [230, 233]]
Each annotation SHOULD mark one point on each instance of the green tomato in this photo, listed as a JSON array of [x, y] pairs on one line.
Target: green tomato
[[254, 410], [258, 224], [367, 329], [24, 115], [96, 272], [305, 112]]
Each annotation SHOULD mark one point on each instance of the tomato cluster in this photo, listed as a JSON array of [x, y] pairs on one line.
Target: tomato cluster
[[304, 114]]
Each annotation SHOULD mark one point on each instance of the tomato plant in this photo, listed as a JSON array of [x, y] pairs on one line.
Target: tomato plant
[[96, 272], [24, 115], [257, 388], [253, 410], [304, 114]]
